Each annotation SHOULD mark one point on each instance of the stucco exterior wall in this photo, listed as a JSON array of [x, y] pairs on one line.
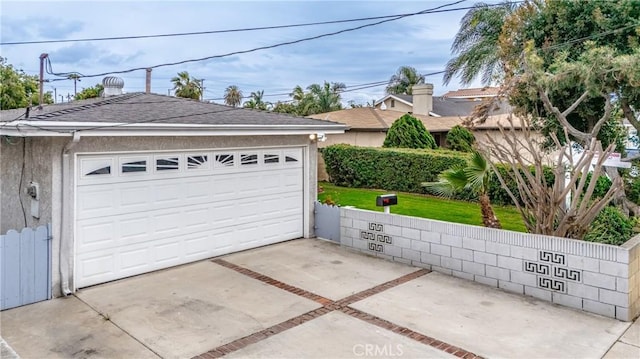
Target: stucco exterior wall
[[37, 157], [483, 135], [355, 138]]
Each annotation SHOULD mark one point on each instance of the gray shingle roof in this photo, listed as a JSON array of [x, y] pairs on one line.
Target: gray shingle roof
[[447, 107], [153, 108]]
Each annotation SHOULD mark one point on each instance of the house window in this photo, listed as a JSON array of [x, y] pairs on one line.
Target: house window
[[249, 159], [100, 171], [224, 160], [134, 166], [290, 159], [195, 162], [271, 158], [393, 103], [167, 164]]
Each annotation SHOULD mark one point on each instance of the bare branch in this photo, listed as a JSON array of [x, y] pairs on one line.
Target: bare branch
[[583, 136]]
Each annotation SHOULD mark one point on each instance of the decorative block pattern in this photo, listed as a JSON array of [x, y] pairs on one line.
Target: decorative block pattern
[[594, 277], [552, 274]]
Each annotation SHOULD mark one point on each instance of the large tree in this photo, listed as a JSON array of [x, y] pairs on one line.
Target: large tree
[[326, 97], [232, 96], [256, 101], [187, 86], [401, 83], [568, 65], [474, 46], [17, 89]]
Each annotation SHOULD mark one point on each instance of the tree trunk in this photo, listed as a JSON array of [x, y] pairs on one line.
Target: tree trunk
[[489, 218]]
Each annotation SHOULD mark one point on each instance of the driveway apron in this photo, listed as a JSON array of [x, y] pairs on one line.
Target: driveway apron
[[307, 299]]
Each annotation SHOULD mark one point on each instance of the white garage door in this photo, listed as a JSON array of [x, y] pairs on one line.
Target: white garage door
[[137, 213]]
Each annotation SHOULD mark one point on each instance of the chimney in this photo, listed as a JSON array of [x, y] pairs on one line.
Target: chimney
[[112, 86], [422, 99], [148, 82]]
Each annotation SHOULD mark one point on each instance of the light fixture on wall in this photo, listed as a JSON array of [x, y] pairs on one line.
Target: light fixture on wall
[[318, 136]]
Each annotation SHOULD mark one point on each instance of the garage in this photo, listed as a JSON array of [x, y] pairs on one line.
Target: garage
[[143, 211]]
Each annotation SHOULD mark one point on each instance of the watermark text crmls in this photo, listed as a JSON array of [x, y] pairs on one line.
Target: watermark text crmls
[[377, 350]]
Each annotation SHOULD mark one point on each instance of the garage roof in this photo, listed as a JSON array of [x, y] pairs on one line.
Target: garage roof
[[152, 113]]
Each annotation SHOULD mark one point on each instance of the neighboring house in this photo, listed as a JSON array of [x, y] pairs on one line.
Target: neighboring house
[[138, 182], [368, 126]]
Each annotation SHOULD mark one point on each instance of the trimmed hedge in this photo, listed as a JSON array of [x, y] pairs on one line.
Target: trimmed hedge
[[387, 168], [405, 169]]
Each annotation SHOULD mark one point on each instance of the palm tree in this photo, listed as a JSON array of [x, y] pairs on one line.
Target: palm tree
[[475, 47], [232, 96], [402, 81], [186, 86], [474, 177], [326, 98], [256, 102]]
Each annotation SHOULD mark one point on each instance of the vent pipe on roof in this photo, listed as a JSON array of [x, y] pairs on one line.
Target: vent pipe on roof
[[148, 82], [112, 86]]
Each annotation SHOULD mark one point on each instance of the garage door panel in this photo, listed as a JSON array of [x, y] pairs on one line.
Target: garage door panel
[[96, 266], [167, 222], [168, 252], [142, 222], [132, 259], [132, 228], [197, 218], [97, 234], [92, 202]]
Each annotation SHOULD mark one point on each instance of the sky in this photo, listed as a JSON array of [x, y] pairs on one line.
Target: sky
[[363, 56]]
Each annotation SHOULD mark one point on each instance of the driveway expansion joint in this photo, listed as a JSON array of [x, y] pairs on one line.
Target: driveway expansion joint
[[328, 306]]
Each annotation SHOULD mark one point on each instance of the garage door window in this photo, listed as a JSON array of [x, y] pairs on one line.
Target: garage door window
[[224, 160], [271, 158], [134, 166], [96, 167], [249, 159], [197, 162], [167, 164]]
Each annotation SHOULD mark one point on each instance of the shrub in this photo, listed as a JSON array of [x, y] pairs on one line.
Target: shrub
[[602, 186], [611, 226], [460, 139], [409, 132], [390, 169], [405, 169]]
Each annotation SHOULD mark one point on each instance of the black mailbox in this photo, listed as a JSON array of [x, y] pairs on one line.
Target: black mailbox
[[386, 200]]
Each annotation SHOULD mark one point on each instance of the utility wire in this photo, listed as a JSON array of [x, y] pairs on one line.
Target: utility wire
[[193, 33], [132, 37], [427, 11]]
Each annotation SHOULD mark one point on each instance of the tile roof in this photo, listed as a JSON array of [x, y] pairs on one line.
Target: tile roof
[[154, 108]]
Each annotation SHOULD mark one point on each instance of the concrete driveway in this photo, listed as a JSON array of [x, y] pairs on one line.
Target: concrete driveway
[[307, 299]]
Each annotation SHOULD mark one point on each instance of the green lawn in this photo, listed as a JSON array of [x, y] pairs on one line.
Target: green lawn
[[424, 206]]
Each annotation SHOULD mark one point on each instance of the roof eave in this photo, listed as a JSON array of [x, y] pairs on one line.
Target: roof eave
[[48, 129]]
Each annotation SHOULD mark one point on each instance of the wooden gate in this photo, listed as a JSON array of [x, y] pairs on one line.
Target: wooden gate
[[25, 267]]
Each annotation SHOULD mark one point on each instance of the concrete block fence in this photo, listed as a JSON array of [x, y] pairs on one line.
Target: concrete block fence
[[593, 277]]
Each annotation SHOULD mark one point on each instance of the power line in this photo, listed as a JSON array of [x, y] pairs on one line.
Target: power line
[[133, 37], [427, 11]]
